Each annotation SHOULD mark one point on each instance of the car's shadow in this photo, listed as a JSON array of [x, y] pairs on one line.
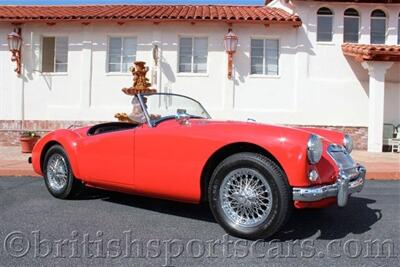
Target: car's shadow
[[193, 211], [330, 223]]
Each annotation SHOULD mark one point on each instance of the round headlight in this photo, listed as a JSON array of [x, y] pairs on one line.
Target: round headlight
[[348, 143], [314, 149]]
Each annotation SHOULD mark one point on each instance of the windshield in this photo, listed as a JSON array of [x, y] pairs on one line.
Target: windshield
[[160, 107]]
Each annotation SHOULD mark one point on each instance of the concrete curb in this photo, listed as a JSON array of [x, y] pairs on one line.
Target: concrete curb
[[18, 173], [383, 175]]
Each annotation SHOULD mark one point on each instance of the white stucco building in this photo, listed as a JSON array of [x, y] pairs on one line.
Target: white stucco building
[[297, 63]]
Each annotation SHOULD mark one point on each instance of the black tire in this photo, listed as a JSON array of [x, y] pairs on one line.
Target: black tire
[[72, 187], [280, 209]]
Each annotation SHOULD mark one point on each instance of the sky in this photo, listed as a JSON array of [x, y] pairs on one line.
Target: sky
[[76, 2]]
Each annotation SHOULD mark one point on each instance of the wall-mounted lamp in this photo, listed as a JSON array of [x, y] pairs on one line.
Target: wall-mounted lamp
[[14, 44], [230, 42]]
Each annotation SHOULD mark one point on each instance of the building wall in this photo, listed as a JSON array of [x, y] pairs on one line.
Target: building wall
[[10, 86], [333, 77], [317, 84], [88, 92]]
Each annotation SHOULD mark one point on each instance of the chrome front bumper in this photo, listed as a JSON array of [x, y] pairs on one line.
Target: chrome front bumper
[[346, 184]]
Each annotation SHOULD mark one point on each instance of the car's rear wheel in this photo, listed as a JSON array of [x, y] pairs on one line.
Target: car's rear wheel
[[58, 175], [249, 196]]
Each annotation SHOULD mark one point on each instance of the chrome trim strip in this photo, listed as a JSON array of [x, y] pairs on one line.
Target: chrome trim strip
[[341, 189]]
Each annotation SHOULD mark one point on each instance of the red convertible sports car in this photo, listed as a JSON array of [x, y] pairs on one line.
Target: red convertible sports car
[[251, 174]]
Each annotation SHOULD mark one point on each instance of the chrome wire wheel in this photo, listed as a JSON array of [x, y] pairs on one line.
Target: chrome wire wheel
[[57, 172], [245, 197]]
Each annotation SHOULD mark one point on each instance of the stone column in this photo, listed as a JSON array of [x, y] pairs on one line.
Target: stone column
[[376, 71]]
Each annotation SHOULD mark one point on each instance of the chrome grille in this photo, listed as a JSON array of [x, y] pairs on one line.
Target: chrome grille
[[343, 159]]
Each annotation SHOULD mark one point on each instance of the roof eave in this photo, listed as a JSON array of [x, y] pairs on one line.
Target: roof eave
[[361, 54], [294, 22]]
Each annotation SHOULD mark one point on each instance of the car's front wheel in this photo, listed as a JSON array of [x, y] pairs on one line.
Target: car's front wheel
[[249, 196], [58, 175]]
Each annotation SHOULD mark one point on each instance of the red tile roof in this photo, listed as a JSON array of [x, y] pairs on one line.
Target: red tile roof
[[260, 14], [370, 52], [351, 1]]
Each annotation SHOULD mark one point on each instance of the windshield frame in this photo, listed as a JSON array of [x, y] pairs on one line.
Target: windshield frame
[[146, 114]]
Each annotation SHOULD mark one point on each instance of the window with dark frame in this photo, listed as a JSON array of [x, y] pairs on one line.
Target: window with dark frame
[[54, 54], [121, 53], [351, 26], [193, 53], [324, 25], [264, 56], [378, 27]]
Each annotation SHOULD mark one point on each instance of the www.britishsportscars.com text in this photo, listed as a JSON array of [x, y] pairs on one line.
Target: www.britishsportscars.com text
[[78, 245]]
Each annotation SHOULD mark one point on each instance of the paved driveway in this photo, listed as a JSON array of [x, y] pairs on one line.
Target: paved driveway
[[105, 228]]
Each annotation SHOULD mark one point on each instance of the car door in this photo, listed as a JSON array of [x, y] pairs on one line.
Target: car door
[[168, 161], [108, 158]]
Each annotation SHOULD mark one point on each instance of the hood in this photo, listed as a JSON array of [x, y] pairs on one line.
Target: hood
[[332, 136], [329, 136]]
